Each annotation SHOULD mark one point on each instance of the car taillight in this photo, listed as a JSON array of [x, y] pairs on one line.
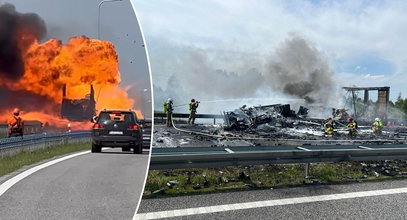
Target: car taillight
[[133, 127], [97, 126]]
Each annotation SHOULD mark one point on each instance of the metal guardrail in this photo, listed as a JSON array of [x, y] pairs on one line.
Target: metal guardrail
[[183, 115], [35, 138], [13, 145], [206, 157]]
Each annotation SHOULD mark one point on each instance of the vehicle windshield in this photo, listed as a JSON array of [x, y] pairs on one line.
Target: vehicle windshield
[[117, 117]]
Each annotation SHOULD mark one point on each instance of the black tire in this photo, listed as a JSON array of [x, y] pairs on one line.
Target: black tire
[[138, 149], [126, 149], [96, 148]]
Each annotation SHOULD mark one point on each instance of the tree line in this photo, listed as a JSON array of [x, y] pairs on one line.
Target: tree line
[[400, 104]]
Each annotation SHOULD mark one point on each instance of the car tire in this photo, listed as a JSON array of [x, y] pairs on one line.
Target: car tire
[[138, 149], [126, 149], [134, 148], [96, 148]]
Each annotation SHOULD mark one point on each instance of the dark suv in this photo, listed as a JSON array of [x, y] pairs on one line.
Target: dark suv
[[117, 128]]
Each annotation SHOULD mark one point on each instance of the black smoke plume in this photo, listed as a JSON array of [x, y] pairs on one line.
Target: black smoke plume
[[300, 69], [26, 101], [17, 31]]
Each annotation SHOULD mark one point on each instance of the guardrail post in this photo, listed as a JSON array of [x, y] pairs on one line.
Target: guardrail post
[[306, 170]]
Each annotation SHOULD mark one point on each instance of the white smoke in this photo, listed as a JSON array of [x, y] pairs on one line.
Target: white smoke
[[297, 72]]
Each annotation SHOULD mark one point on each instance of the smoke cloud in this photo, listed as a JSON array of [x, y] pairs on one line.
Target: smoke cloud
[[295, 73], [299, 69], [26, 101], [210, 77], [17, 32], [185, 72]]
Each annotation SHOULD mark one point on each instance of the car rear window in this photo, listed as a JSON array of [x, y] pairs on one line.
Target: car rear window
[[116, 117]]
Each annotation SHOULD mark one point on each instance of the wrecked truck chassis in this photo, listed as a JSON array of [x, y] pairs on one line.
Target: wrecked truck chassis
[[206, 157], [245, 118]]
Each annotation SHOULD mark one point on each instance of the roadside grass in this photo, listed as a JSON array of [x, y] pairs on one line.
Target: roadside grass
[[13, 163], [209, 180]]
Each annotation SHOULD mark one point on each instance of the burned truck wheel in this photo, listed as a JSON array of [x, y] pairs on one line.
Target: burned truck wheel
[[96, 148]]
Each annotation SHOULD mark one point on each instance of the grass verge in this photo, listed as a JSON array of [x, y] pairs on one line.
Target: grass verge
[[210, 180], [13, 163]]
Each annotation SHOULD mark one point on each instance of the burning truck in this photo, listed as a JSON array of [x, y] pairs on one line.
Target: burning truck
[[36, 68], [78, 109]]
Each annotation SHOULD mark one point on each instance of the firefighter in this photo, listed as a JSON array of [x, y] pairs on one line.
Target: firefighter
[[377, 126], [352, 126], [329, 126], [168, 108], [165, 110], [193, 105], [15, 124], [165, 106]]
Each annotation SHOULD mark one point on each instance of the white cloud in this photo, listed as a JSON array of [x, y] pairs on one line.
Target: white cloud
[[369, 76]]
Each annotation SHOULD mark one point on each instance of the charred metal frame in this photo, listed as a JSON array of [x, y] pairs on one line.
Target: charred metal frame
[[78, 109], [382, 99]]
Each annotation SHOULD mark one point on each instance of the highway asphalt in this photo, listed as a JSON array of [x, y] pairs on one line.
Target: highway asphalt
[[103, 185], [391, 206]]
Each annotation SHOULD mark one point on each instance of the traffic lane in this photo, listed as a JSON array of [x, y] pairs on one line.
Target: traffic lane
[[378, 207], [182, 202], [104, 185]]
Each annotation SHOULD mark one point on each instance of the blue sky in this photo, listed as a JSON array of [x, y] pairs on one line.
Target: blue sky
[[363, 41]]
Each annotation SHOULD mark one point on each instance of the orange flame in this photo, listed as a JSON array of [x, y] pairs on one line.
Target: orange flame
[[78, 64]]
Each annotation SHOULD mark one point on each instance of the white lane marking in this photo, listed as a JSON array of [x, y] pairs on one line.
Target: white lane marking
[[267, 203], [303, 148], [229, 151], [133, 4], [363, 147], [11, 182]]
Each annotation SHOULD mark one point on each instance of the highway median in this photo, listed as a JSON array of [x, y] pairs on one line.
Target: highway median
[[179, 182], [10, 164]]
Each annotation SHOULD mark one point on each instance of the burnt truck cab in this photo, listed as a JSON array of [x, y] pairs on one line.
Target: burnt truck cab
[[78, 109], [117, 128]]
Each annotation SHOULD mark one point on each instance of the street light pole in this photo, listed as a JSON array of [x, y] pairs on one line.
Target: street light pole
[[100, 4]]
